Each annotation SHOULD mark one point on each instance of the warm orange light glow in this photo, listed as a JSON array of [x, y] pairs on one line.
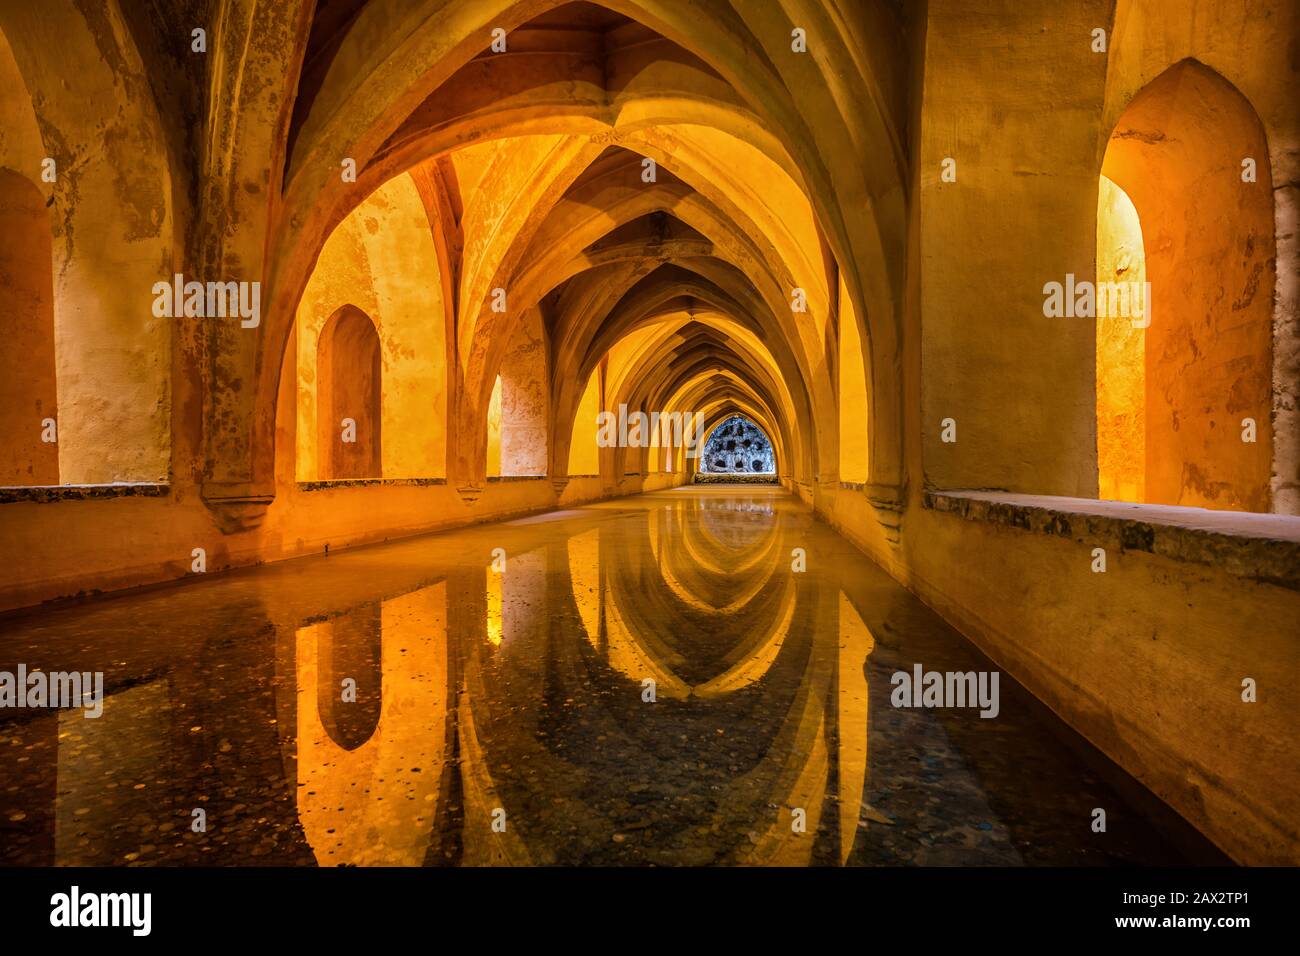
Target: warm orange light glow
[[853, 395], [1121, 353], [495, 614], [494, 431]]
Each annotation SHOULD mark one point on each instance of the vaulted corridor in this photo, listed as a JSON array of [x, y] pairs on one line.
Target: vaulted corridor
[[649, 431]]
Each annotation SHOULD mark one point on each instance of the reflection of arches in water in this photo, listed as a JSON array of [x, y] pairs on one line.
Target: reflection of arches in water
[[708, 586], [584, 577], [815, 705], [483, 841], [629, 652], [512, 615], [670, 525], [512, 664], [744, 551], [826, 728], [855, 646], [349, 681], [738, 447], [834, 710], [705, 577], [688, 616], [388, 806], [628, 631], [735, 525]]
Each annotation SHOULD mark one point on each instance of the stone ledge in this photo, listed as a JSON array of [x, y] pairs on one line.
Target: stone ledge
[[45, 494], [1262, 547], [367, 482], [496, 478]]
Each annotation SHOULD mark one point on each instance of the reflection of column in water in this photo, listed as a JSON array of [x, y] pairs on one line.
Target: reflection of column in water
[[349, 679], [584, 577], [856, 644], [493, 619], [376, 802], [795, 772]]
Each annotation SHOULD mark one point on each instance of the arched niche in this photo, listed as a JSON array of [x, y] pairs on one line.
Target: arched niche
[[382, 260], [349, 405], [1184, 379], [29, 452]]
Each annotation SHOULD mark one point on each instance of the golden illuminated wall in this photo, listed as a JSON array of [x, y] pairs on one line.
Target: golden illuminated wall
[[853, 395], [382, 260], [1121, 354], [584, 453]]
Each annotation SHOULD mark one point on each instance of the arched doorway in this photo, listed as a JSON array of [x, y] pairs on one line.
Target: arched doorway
[[349, 383], [1185, 275]]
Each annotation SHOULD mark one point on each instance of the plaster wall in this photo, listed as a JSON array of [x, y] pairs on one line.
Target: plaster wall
[[524, 404], [28, 390], [381, 260], [1021, 213], [100, 126]]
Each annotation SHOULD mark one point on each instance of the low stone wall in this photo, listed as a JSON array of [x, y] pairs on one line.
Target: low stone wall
[[1147, 658]]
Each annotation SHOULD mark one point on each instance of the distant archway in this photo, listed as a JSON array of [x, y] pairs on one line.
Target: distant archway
[[349, 390], [738, 447], [1184, 375], [349, 678]]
